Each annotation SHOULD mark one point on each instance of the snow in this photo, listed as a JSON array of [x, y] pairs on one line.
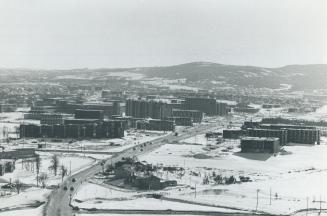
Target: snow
[[22, 200], [29, 212], [24, 172], [96, 196], [294, 176]]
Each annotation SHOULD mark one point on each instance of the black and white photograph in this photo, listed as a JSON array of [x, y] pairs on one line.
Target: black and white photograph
[[163, 107]]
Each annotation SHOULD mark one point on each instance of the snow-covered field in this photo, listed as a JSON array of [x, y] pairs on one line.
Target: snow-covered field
[[96, 196], [289, 177], [26, 172], [18, 202], [29, 212]]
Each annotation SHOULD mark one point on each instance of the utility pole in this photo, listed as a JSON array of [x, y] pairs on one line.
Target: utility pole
[[307, 206], [256, 208], [70, 167], [270, 196], [320, 205]]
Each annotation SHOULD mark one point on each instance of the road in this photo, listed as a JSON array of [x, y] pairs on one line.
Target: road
[[58, 204]]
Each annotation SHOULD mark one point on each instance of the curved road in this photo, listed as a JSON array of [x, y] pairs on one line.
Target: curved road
[[58, 204]]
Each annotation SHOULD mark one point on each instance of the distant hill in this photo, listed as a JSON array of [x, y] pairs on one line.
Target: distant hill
[[301, 77]]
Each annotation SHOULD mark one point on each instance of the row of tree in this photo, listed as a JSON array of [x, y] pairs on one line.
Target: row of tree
[[42, 177]]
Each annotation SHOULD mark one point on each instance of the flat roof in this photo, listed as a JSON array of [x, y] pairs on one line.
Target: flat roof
[[261, 138]]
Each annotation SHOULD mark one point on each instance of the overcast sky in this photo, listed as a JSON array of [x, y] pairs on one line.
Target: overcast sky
[[122, 33]]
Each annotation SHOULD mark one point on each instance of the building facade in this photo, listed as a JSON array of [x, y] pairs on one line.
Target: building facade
[[195, 115], [141, 108], [259, 145]]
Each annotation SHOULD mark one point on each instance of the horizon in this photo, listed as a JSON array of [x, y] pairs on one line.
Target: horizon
[[134, 67]]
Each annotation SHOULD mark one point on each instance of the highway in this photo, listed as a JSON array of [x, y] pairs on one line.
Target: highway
[[58, 203]]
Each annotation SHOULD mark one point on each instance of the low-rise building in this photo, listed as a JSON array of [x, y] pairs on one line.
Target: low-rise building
[[260, 145], [233, 133], [281, 134]]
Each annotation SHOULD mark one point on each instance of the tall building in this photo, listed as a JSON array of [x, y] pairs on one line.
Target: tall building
[[142, 108], [207, 105], [195, 115], [89, 114]]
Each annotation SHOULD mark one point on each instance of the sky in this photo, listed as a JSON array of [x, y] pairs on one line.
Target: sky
[[65, 34]]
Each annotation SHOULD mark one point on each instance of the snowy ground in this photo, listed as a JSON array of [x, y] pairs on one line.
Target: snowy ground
[[29, 212], [291, 177], [18, 202], [91, 195], [26, 172]]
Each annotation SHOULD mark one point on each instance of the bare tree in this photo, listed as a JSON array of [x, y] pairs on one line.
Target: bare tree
[[42, 179], [54, 164], [18, 185], [63, 172], [218, 179], [38, 166]]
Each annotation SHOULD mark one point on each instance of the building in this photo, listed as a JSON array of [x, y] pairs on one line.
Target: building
[[221, 109], [270, 106], [109, 108], [52, 118], [208, 106], [233, 133], [303, 136], [245, 109], [108, 94], [251, 124], [8, 107], [18, 154], [142, 108], [35, 114], [297, 133], [98, 130], [148, 183], [195, 115], [181, 121], [259, 145], [155, 124], [75, 121], [281, 134], [89, 114], [205, 105]]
